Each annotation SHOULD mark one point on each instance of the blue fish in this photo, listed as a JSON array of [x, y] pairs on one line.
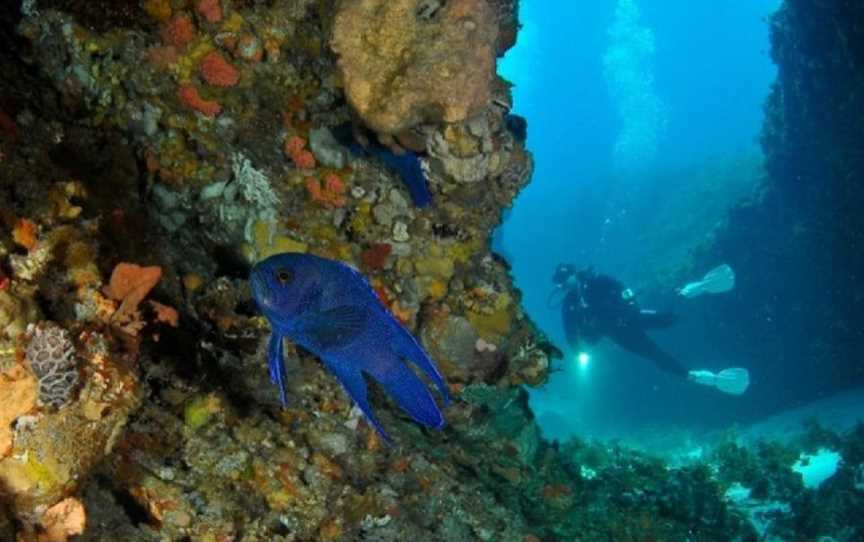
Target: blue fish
[[331, 310], [406, 165]]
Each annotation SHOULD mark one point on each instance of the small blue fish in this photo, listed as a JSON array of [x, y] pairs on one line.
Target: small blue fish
[[406, 165], [331, 310]]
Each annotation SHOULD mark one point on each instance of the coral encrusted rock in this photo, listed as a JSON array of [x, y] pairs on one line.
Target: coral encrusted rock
[[52, 358], [405, 62]]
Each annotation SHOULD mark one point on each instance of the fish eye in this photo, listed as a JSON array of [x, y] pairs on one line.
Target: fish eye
[[284, 276]]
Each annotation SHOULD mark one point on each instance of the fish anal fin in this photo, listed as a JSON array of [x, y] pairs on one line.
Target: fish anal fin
[[407, 389], [351, 378], [407, 347]]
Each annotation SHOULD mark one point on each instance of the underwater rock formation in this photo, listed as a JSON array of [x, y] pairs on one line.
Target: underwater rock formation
[[220, 157], [507, 14], [805, 221], [406, 62], [152, 151], [68, 388]]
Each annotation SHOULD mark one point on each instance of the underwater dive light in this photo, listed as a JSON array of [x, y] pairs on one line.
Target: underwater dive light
[[583, 359]]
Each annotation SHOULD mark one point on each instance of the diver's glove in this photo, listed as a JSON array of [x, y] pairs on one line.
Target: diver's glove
[[734, 381], [717, 281]]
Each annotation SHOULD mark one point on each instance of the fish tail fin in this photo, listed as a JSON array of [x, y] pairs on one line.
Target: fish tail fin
[[407, 390], [407, 346], [351, 379]]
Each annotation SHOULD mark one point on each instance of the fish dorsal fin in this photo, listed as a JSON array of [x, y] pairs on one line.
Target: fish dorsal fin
[[333, 328]]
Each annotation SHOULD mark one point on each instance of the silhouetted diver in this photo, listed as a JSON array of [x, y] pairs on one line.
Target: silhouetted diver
[[597, 306]]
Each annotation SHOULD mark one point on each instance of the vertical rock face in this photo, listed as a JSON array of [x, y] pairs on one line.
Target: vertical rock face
[[189, 169], [222, 153], [795, 245], [404, 62], [507, 15]]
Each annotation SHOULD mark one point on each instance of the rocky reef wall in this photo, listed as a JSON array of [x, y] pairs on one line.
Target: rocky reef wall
[[796, 245], [150, 151]]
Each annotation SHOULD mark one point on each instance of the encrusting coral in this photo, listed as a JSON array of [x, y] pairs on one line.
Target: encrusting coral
[[67, 384], [215, 197], [177, 143], [18, 392], [405, 62], [64, 519]]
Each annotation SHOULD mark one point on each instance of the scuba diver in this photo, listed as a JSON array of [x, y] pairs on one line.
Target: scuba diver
[[597, 306]]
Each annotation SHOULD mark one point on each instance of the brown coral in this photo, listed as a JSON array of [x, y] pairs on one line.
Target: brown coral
[[375, 256], [16, 312], [130, 284], [17, 397], [165, 314], [403, 65], [64, 519], [53, 453], [26, 233]]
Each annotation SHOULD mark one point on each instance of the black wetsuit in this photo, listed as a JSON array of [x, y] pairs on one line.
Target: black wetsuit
[[599, 306]]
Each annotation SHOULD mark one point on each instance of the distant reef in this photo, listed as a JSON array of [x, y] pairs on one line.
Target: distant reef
[[798, 246]]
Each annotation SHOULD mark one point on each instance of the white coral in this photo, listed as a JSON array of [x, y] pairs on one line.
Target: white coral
[[255, 189], [253, 183]]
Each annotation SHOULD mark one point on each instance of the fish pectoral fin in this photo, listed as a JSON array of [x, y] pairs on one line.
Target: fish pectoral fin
[[276, 365], [406, 388], [351, 378], [333, 327]]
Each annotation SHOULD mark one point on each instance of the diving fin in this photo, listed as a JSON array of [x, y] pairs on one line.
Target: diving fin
[[717, 281], [734, 381]]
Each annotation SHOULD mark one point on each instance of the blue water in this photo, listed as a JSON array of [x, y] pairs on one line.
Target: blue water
[[642, 113]]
